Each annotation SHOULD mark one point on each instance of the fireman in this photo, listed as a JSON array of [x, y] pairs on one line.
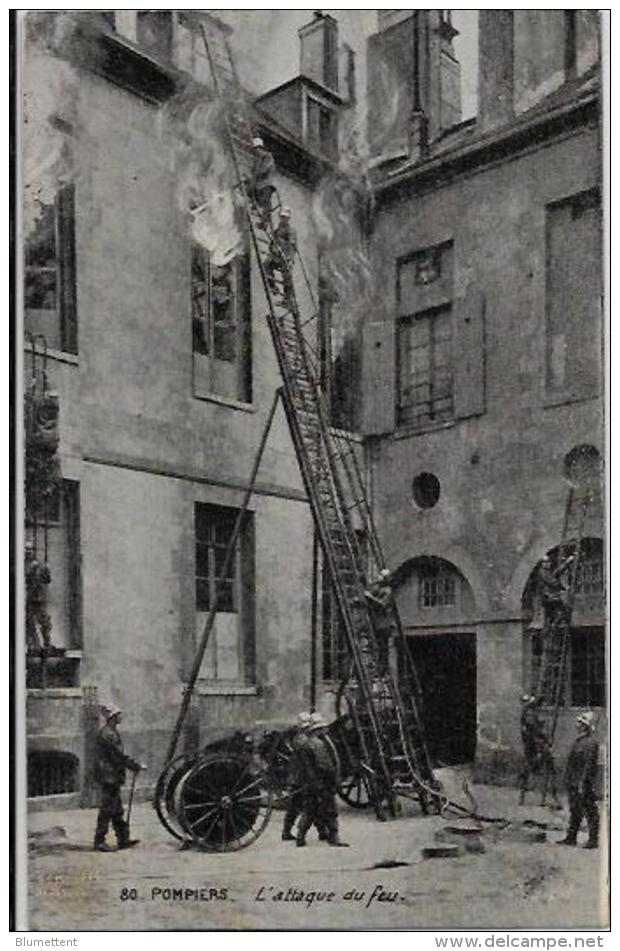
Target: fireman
[[38, 621], [552, 591], [300, 746], [282, 252], [259, 185], [380, 599], [580, 779], [537, 754], [320, 776], [111, 764]]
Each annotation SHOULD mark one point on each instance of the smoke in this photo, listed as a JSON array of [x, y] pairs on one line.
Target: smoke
[[49, 100], [341, 210], [204, 173]]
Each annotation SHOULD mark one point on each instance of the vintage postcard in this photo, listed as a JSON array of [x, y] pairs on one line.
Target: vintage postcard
[[312, 578]]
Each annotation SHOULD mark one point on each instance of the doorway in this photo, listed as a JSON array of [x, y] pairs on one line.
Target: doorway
[[446, 668]]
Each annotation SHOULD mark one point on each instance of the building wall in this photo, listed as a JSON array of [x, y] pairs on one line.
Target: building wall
[[502, 492], [144, 449]]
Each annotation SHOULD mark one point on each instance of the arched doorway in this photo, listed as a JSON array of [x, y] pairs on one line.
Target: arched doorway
[[436, 605], [585, 674]]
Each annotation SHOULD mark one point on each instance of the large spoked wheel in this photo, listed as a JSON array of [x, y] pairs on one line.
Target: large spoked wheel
[[355, 789], [165, 791], [224, 802]]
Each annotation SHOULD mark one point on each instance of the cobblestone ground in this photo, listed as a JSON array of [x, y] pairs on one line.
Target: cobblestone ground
[[511, 885]]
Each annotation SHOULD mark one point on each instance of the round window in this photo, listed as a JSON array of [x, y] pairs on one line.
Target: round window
[[426, 490], [582, 465]]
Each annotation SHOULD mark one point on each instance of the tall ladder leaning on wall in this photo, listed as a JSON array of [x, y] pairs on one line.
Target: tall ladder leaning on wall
[[551, 680], [383, 708]]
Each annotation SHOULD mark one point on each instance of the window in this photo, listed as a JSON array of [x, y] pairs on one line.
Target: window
[[49, 273], [230, 650], [214, 529], [589, 581], [334, 636], [154, 32], [425, 381], [56, 537], [221, 325], [51, 773], [340, 361], [585, 665], [573, 296], [322, 128], [437, 591]]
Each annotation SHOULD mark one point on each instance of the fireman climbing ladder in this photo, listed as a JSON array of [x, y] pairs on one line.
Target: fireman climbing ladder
[[551, 679], [386, 720]]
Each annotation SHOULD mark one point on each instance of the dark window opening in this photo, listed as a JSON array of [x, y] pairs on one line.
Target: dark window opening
[[52, 773], [49, 273], [585, 666], [426, 490], [574, 295], [335, 648], [57, 544], [221, 321], [425, 377], [322, 129], [230, 652], [154, 32], [214, 529], [437, 591], [590, 578]]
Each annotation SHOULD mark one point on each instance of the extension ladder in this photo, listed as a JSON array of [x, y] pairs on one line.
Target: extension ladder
[[387, 720]]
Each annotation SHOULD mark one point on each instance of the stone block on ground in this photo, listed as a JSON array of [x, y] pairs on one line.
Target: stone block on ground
[[445, 851]]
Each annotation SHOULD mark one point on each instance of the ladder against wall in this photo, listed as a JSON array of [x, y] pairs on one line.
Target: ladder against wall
[[386, 716], [582, 502]]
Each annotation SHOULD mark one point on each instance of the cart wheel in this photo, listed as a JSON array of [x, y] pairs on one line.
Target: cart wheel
[[163, 800], [355, 789], [224, 802]]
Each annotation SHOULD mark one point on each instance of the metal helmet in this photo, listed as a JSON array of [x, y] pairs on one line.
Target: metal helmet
[[110, 710], [586, 719], [317, 721]]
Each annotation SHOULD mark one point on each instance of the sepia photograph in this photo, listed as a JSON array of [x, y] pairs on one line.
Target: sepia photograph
[[311, 547]]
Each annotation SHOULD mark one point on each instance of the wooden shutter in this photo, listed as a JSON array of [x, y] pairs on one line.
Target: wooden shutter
[[468, 351], [378, 378], [66, 266]]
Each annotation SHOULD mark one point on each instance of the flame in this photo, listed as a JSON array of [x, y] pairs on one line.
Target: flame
[[339, 206], [49, 87], [203, 172]]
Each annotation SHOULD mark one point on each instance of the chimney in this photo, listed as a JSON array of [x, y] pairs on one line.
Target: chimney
[[414, 81], [319, 50], [495, 68]]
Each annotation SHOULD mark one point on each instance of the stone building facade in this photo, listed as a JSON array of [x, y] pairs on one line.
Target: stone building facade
[[484, 363], [164, 383], [468, 387]]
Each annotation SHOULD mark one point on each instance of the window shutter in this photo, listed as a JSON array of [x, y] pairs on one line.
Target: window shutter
[[66, 264], [379, 378], [469, 355]]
